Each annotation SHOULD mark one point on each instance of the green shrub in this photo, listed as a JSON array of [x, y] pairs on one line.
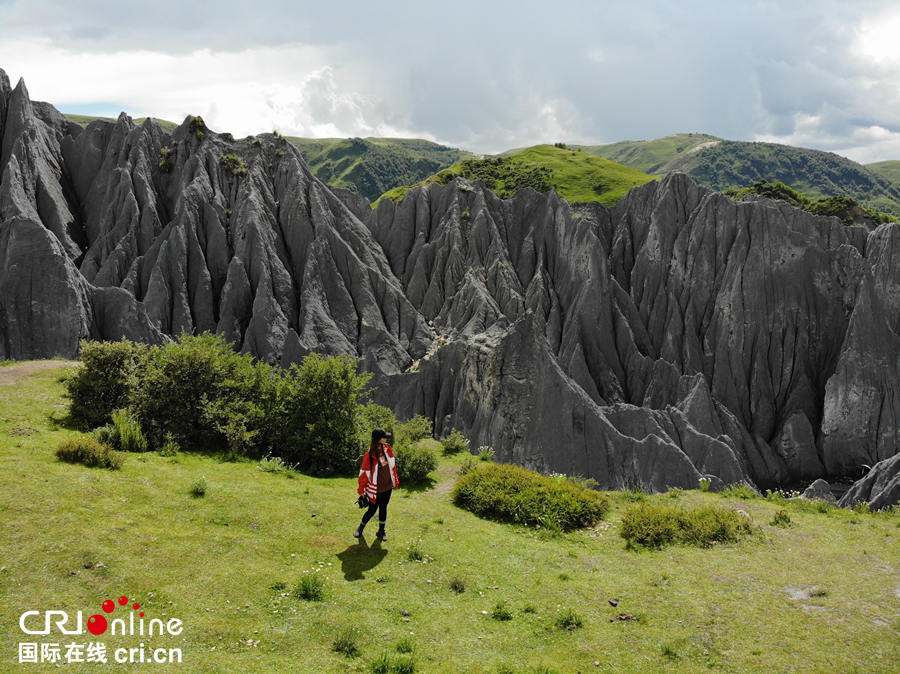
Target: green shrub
[[455, 442], [781, 519], [514, 494], [654, 525], [405, 645], [485, 453], [862, 508], [272, 464], [88, 452], [170, 446], [107, 435], [311, 588], [501, 613], [740, 490], [374, 416], [198, 127], [386, 665], [203, 393], [347, 643], [233, 164], [104, 380], [414, 464], [198, 489], [412, 430], [458, 585], [131, 438], [568, 619], [468, 463], [705, 483], [319, 414]]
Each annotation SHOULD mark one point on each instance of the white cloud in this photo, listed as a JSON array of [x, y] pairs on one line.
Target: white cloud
[[291, 88]]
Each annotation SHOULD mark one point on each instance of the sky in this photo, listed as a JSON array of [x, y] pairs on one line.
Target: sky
[[482, 76]]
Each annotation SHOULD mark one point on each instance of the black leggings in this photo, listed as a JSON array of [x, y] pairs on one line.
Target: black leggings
[[381, 502]]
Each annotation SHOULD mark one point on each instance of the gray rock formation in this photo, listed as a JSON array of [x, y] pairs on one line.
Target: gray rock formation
[[879, 488], [819, 489], [676, 336]]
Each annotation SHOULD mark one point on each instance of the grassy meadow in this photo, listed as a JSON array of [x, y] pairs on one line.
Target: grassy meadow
[[448, 591]]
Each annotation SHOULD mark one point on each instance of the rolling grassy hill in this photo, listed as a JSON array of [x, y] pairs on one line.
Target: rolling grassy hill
[[889, 170], [651, 156], [817, 595], [371, 166], [576, 175], [726, 164]]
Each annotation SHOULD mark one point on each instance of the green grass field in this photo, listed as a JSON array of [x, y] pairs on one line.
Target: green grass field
[[576, 175], [822, 595]]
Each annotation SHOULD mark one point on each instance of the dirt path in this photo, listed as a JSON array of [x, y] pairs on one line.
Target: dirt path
[[11, 374]]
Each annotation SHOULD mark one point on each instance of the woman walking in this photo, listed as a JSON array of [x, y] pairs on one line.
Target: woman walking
[[377, 477]]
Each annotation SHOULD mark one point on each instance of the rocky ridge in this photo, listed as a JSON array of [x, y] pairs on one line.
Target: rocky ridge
[[674, 336]]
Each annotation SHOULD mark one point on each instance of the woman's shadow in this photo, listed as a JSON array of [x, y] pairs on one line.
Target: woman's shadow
[[360, 557]]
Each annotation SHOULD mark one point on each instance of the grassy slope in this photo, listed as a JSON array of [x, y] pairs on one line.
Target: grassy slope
[[725, 164], [84, 120], [650, 156], [372, 166], [576, 175], [889, 170], [212, 561]]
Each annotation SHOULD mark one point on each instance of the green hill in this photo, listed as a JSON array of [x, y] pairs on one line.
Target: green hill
[[889, 170], [727, 164], [651, 156], [449, 591], [84, 120], [576, 175], [371, 166]]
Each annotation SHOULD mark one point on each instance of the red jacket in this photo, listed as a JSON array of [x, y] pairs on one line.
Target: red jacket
[[368, 473]]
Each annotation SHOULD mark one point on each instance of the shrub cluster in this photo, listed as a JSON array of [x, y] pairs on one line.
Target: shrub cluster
[[89, 452], [197, 393], [654, 525], [455, 442], [514, 494], [414, 463]]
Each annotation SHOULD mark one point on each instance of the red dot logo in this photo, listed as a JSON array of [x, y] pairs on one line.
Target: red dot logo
[[123, 600], [108, 606], [136, 607], [97, 624]]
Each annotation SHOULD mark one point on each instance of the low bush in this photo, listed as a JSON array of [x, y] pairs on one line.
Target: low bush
[[654, 525], [347, 643], [128, 430], [485, 453], [405, 645], [273, 464], [412, 430], [454, 443], [202, 395], [170, 446], [311, 588], [781, 519], [104, 380], [414, 464], [458, 585], [107, 435], [198, 489], [514, 494], [399, 665], [89, 452], [568, 619], [740, 490], [501, 612]]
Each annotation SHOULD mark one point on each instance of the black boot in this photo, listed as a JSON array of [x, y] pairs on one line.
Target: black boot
[[381, 535], [359, 530]]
